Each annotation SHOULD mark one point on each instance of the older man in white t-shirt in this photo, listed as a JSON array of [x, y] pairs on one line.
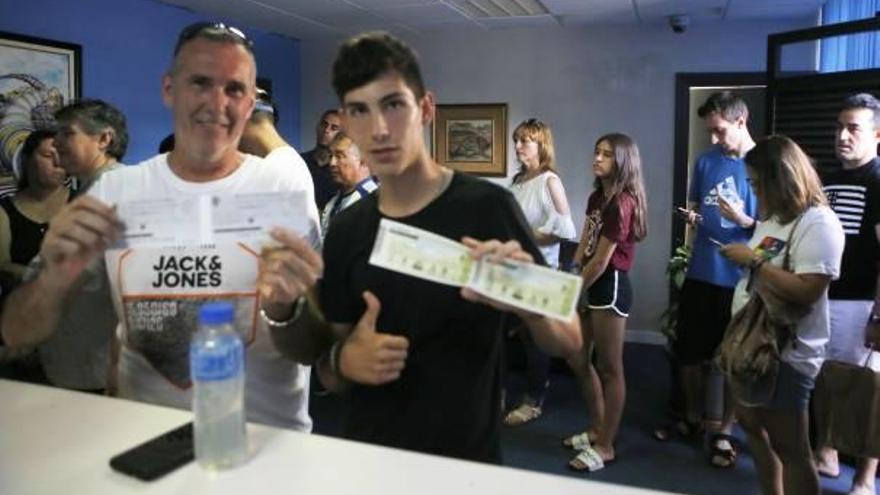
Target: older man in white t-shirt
[[210, 89]]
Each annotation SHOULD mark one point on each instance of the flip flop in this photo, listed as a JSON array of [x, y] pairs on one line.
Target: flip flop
[[588, 460], [578, 441], [719, 456], [522, 414], [824, 469], [827, 473]]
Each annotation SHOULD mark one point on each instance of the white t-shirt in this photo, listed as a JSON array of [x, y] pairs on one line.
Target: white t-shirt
[[157, 293], [816, 248], [534, 198], [286, 156]]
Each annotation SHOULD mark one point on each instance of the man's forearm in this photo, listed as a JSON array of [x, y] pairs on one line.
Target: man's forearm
[[306, 338], [31, 312]]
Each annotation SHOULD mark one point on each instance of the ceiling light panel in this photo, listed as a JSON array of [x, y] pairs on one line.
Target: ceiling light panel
[[493, 9]]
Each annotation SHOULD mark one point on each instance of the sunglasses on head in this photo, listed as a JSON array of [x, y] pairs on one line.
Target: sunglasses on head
[[212, 28]]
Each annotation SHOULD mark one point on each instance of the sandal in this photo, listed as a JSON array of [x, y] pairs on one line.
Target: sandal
[[828, 465], [522, 414], [588, 459], [680, 428], [722, 450], [578, 441]]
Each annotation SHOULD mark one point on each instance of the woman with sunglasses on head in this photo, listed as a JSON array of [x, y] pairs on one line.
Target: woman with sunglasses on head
[[616, 219], [25, 217], [796, 220], [539, 192]]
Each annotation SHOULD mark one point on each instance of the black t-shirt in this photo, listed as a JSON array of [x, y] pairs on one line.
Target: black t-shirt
[[325, 187], [27, 235], [854, 195], [447, 400]]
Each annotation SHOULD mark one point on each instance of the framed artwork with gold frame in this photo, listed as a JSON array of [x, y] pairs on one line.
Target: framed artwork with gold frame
[[37, 77], [471, 138]]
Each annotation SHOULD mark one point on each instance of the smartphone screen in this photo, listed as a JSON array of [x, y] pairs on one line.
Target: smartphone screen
[[157, 456]]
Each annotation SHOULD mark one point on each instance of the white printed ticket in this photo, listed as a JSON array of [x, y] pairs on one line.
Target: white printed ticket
[[211, 219], [419, 253], [529, 286]]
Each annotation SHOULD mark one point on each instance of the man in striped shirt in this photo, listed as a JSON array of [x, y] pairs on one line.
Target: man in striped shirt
[[853, 191]]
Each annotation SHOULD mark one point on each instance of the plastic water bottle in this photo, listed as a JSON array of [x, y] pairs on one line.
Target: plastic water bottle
[[216, 357]]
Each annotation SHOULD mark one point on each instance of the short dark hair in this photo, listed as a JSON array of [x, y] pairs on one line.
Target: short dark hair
[[167, 144], [264, 109], [96, 116], [866, 101], [31, 143], [367, 57], [329, 111], [726, 104]]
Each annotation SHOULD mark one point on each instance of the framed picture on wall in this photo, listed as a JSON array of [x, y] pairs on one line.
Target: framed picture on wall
[[37, 77], [471, 138]]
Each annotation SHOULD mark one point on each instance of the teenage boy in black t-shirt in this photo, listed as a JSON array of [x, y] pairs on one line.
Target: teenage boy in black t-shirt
[[422, 359]]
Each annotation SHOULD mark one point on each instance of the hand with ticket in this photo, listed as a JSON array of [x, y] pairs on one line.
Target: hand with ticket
[[78, 235], [553, 336], [288, 271], [369, 356], [494, 250]]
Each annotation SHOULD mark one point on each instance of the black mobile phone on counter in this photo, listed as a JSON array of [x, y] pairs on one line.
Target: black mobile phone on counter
[[157, 456]]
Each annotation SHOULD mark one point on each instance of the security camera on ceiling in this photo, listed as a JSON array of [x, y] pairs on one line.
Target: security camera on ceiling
[[679, 23]]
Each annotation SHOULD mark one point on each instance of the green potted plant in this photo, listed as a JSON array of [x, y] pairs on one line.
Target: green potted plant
[[676, 269]]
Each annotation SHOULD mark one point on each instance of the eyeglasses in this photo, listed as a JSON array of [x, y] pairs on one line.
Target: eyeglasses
[[212, 30]]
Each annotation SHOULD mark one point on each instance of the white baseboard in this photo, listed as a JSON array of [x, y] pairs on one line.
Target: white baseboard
[[652, 337]]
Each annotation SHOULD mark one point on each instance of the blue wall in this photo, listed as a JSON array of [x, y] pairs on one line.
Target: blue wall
[[126, 47]]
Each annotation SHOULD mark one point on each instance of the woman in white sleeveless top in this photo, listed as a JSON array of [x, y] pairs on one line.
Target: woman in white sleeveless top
[[541, 196]]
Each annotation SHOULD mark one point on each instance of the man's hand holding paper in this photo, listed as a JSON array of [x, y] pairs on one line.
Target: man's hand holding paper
[[78, 235]]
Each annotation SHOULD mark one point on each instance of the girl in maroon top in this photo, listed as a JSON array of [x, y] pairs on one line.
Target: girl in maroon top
[[616, 220]]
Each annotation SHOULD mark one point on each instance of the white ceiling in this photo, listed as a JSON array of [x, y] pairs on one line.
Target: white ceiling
[[308, 19]]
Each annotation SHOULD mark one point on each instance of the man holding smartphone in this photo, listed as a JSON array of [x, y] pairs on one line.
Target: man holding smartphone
[[722, 207]]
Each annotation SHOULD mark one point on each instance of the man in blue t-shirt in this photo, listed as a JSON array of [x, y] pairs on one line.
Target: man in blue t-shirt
[[722, 207]]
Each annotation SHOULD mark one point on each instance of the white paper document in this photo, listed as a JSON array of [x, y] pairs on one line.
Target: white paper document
[[419, 253], [211, 219]]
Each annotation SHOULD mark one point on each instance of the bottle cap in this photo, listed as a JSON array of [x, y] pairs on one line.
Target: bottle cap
[[215, 313]]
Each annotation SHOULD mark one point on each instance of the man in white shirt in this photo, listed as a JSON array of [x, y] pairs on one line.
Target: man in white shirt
[[210, 88], [349, 170]]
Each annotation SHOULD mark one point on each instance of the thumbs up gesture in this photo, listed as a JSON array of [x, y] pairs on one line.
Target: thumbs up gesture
[[370, 357]]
